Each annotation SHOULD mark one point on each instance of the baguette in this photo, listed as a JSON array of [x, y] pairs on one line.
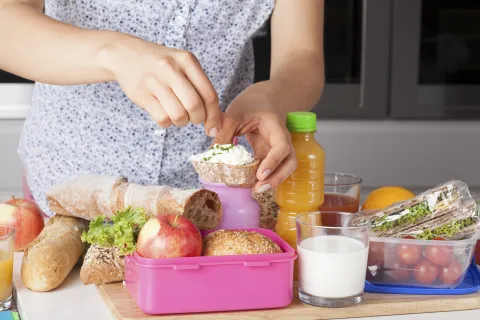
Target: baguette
[[102, 265], [88, 196], [48, 259]]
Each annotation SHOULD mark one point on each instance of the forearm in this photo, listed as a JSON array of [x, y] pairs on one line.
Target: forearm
[[297, 82], [39, 48]]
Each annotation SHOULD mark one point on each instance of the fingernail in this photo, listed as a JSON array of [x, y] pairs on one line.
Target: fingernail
[[266, 173], [263, 188], [213, 132]]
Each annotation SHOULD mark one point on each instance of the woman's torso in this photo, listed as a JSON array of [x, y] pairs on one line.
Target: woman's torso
[[96, 129]]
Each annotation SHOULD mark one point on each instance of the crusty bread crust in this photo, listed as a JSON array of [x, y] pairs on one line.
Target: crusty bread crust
[[226, 173], [102, 265], [89, 196], [234, 242], [49, 258], [268, 208], [84, 196]]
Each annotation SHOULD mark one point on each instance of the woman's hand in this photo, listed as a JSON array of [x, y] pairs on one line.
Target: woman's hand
[[255, 113], [168, 83]]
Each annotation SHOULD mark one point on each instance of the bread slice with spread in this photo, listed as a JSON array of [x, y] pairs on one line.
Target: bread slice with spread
[[229, 164]]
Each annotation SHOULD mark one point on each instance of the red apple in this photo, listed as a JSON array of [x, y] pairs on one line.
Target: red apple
[[169, 236], [26, 217]]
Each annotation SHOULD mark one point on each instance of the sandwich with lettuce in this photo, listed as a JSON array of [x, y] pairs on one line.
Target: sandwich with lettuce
[[447, 211], [110, 242]]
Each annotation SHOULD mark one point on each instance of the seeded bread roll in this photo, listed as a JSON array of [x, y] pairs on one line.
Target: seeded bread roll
[[235, 242], [102, 265]]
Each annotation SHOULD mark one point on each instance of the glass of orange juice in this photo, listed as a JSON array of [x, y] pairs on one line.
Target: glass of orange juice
[[6, 266], [341, 194]]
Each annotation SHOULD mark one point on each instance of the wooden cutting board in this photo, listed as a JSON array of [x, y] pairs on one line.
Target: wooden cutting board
[[118, 299]]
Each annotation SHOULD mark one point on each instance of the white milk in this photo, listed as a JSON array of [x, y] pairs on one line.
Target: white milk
[[332, 266]]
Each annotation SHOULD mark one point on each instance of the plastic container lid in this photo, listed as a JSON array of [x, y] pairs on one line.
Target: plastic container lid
[[301, 121]]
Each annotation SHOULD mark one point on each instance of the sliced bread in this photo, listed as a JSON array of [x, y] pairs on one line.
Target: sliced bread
[[232, 175]]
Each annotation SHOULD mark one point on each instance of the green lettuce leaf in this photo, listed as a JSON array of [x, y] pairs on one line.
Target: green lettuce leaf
[[121, 233]]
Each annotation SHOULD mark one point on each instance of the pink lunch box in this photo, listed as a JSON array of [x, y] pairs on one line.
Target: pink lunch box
[[214, 283]]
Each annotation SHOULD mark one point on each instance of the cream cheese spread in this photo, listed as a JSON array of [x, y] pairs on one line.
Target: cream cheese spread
[[226, 154]]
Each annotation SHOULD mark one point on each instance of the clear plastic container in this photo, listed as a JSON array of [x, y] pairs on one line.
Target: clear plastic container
[[419, 263], [213, 283]]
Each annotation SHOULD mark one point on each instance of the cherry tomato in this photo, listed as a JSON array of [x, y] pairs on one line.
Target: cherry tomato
[[408, 237], [451, 273], [425, 272], [439, 239], [398, 272], [440, 255], [376, 253], [408, 254]]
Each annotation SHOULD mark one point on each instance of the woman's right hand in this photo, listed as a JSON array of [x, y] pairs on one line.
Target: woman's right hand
[[168, 83]]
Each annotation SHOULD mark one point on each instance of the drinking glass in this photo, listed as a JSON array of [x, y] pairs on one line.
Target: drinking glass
[[342, 192], [6, 266], [332, 259]]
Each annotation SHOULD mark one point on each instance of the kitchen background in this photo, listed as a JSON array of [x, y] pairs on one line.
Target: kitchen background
[[401, 104]]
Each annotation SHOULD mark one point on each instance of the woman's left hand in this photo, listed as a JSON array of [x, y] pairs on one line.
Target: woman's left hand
[[256, 114]]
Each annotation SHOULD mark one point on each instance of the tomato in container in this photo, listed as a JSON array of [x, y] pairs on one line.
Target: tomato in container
[[425, 272], [398, 272], [376, 253], [451, 273], [408, 254], [439, 255], [419, 263]]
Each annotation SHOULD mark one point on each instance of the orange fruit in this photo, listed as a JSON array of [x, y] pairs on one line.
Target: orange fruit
[[385, 196]]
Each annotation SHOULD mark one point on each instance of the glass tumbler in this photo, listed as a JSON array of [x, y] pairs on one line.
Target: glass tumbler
[[332, 258], [6, 266], [342, 192]]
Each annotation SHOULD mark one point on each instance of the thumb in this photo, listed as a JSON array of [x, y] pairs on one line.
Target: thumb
[[227, 132], [213, 119]]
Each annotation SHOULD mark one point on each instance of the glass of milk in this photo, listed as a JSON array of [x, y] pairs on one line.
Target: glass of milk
[[332, 258]]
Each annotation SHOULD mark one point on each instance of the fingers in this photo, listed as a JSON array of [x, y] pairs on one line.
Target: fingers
[[227, 131], [154, 108], [189, 98], [279, 151], [282, 172], [169, 102], [197, 77]]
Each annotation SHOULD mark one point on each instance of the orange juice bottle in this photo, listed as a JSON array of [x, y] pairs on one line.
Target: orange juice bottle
[[302, 191]]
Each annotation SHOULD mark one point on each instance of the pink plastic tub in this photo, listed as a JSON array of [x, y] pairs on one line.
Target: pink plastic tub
[[209, 284]]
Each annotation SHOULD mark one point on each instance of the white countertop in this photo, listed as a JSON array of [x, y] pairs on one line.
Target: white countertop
[[75, 301]]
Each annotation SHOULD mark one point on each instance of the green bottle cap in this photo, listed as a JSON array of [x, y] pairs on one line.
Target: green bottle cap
[[301, 121]]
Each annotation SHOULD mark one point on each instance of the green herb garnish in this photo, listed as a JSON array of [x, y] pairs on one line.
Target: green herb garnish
[[226, 149], [121, 233]]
